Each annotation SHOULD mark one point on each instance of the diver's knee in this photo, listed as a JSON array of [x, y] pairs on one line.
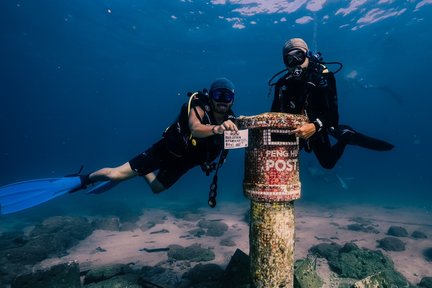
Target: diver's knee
[[156, 186], [157, 190], [328, 165]]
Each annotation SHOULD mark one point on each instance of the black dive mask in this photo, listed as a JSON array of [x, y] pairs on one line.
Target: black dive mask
[[294, 58], [293, 61], [222, 95]]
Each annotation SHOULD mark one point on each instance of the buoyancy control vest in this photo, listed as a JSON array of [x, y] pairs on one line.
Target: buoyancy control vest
[[295, 95], [178, 135]]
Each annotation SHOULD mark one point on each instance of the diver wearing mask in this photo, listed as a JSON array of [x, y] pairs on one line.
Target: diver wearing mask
[[309, 88], [295, 60]]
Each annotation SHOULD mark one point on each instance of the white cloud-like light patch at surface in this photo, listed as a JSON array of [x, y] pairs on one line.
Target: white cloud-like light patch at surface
[[253, 7], [362, 12], [422, 3], [376, 15], [315, 5], [354, 5], [304, 20], [385, 1], [219, 2], [237, 22]]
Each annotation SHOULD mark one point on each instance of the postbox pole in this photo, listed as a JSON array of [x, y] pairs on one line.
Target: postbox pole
[[272, 184]]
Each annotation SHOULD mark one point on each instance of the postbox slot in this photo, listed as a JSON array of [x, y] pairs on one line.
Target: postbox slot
[[279, 137], [282, 137]]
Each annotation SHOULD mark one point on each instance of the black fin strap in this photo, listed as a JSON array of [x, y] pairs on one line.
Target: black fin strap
[[85, 181], [76, 174], [84, 178]]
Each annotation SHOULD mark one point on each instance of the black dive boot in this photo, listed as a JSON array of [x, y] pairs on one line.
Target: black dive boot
[[347, 134]]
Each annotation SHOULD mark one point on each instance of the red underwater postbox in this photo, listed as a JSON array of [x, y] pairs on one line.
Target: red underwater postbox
[[271, 160]]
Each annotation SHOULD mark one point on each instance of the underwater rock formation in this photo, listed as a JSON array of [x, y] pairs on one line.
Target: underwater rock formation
[[214, 228], [377, 280], [106, 272], [362, 228], [352, 262], [418, 235], [206, 275], [363, 225], [51, 237], [305, 274], [65, 275], [425, 282], [193, 253], [427, 253], [391, 244], [397, 231]]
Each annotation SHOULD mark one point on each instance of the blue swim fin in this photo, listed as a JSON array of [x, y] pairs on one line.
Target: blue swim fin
[[22, 195]]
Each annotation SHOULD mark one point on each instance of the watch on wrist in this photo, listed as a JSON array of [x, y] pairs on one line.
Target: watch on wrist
[[318, 125]]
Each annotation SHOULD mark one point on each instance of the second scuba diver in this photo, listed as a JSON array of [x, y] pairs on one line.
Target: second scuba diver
[[195, 138], [309, 88]]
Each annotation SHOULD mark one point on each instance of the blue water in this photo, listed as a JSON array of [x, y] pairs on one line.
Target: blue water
[[96, 82]]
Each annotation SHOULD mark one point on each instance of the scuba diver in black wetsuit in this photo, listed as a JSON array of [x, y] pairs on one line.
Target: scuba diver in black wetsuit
[[195, 138], [309, 88]]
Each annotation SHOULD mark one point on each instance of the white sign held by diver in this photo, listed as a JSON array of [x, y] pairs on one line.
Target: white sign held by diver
[[236, 139]]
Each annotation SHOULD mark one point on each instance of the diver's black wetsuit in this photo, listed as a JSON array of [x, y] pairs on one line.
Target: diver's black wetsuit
[[177, 152], [314, 95]]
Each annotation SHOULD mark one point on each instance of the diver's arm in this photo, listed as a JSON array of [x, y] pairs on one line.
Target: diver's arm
[[330, 116], [200, 130]]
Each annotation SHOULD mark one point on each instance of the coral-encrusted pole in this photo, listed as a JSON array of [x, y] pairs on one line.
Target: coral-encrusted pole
[[272, 184]]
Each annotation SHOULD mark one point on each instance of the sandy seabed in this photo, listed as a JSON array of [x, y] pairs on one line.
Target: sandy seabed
[[314, 224]]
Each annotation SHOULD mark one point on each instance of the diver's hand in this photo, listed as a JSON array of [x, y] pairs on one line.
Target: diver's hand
[[227, 125], [305, 131]]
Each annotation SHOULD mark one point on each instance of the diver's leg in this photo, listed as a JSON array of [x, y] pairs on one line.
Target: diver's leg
[[348, 135], [154, 183], [120, 173], [117, 174], [327, 154], [166, 176]]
